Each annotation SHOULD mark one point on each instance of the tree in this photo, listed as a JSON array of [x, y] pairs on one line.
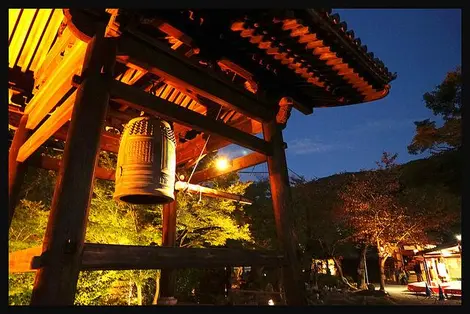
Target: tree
[[373, 210], [207, 222], [201, 222], [445, 101], [260, 216], [323, 229]]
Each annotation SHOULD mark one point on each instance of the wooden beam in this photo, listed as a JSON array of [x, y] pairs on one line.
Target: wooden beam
[[282, 206], [125, 257], [168, 275], [121, 257], [141, 100], [239, 163], [56, 86], [22, 261], [185, 151], [16, 170], [169, 224], [192, 149], [193, 188], [55, 121], [162, 61], [56, 281]]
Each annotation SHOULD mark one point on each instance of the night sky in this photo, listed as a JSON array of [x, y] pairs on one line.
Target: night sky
[[421, 46]]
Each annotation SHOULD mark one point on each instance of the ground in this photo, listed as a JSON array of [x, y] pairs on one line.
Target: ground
[[401, 296]]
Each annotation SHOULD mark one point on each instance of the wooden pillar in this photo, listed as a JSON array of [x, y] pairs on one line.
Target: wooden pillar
[[16, 170], [281, 196], [168, 276], [56, 280]]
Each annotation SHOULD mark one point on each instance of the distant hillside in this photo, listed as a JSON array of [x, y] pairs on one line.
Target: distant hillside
[[437, 177], [445, 169]]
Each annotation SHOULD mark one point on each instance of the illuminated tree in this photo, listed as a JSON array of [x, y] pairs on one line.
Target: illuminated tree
[[201, 222], [375, 209]]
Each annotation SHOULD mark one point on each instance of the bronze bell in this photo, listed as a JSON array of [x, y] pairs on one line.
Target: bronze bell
[[145, 172]]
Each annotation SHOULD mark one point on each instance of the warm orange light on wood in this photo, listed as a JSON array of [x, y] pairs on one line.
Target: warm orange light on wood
[[33, 38], [19, 36], [12, 18], [46, 42], [57, 119], [56, 86]]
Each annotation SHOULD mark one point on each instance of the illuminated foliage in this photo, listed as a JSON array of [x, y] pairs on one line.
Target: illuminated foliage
[[383, 213], [205, 222]]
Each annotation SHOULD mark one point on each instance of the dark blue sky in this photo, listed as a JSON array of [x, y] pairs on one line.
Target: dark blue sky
[[421, 46]]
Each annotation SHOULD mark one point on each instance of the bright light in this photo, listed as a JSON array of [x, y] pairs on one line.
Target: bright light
[[270, 302], [221, 163], [415, 251], [459, 237]]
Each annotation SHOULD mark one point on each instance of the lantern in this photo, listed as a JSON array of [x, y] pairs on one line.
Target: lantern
[[145, 172]]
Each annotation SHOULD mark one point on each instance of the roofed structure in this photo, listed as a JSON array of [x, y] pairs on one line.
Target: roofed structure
[[308, 55], [78, 76]]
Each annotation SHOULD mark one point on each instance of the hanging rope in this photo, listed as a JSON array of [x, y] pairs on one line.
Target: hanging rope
[[203, 148]]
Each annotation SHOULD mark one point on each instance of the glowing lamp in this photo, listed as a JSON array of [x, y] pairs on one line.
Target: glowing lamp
[[270, 302], [222, 163], [458, 237]]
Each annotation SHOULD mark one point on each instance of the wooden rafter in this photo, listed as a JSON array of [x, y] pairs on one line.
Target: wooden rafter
[[143, 101], [56, 86], [56, 120], [185, 75]]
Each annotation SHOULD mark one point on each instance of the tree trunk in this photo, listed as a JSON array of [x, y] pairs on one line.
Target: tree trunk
[[157, 289], [382, 260], [139, 293], [130, 293], [361, 268], [341, 275], [338, 267]]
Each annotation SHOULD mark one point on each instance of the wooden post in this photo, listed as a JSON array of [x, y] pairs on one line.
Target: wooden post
[[280, 191], [56, 280], [16, 170], [168, 276]]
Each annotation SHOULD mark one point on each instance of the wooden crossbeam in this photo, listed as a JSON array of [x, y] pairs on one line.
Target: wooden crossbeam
[[162, 61], [184, 152], [190, 150], [21, 261], [124, 257], [141, 100], [56, 120], [250, 160]]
